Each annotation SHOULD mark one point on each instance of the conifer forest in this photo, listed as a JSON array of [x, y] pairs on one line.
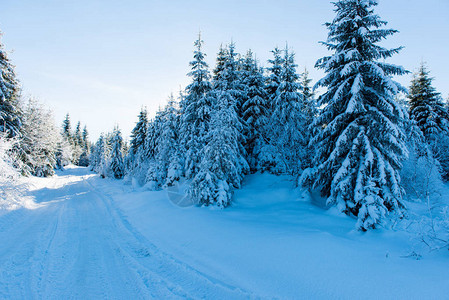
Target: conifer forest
[[253, 181]]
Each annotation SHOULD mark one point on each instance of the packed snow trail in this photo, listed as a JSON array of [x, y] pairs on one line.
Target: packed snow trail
[[77, 244]]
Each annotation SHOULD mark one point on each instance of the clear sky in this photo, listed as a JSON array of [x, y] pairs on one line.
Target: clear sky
[[102, 60]]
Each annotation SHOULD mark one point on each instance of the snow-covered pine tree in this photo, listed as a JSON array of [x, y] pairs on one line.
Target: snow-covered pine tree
[[227, 80], [254, 109], [67, 129], [40, 139], [100, 156], [167, 165], [361, 145], [223, 163], [287, 130], [274, 75], [85, 146], [139, 133], [86, 142], [95, 153], [116, 161], [308, 94], [269, 158], [134, 161], [10, 112], [220, 62], [153, 132], [78, 135], [196, 107], [311, 112], [77, 141], [426, 106], [63, 153]]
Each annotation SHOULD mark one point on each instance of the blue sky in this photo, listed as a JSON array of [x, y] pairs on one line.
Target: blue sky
[[102, 60]]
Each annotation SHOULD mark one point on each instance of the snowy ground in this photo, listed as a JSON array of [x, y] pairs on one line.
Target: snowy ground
[[91, 238]]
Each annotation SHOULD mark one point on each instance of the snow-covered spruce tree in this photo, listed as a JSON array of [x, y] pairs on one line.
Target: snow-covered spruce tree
[[288, 127], [196, 107], [308, 95], [63, 153], [227, 83], [67, 140], [360, 146], [78, 135], [153, 133], [426, 106], [310, 111], [86, 141], [39, 140], [139, 132], [77, 141], [223, 163], [254, 108], [100, 156], [167, 166], [144, 170], [10, 112], [85, 146], [269, 156], [95, 154], [220, 62], [67, 129], [116, 161], [273, 77], [134, 161]]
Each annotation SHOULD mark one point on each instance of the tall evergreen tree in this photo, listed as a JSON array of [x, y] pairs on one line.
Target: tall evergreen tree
[[308, 94], [67, 128], [116, 163], [361, 145], [152, 138], [139, 133], [288, 120], [85, 148], [100, 158], [220, 64], [426, 106], [310, 111], [78, 135], [10, 112], [223, 161], [222, 164], [254, 109], [167, 167], [196, 107], [274, 75]]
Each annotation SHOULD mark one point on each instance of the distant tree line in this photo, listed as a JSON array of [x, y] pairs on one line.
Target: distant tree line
[[36, 146]]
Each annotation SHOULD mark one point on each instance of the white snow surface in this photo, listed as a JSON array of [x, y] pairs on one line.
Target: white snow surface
[[91, 238]]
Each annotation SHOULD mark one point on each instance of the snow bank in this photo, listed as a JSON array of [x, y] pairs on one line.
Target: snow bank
[[273, 242]]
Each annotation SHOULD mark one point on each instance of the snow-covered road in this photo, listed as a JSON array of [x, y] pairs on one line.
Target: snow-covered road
[[83, 237], [77, 244]]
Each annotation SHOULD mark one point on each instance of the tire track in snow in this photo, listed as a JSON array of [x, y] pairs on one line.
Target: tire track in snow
[[20, 249], [77, 244], [181, 275]]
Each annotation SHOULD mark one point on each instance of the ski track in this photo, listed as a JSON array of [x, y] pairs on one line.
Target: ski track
[[79, 245]]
